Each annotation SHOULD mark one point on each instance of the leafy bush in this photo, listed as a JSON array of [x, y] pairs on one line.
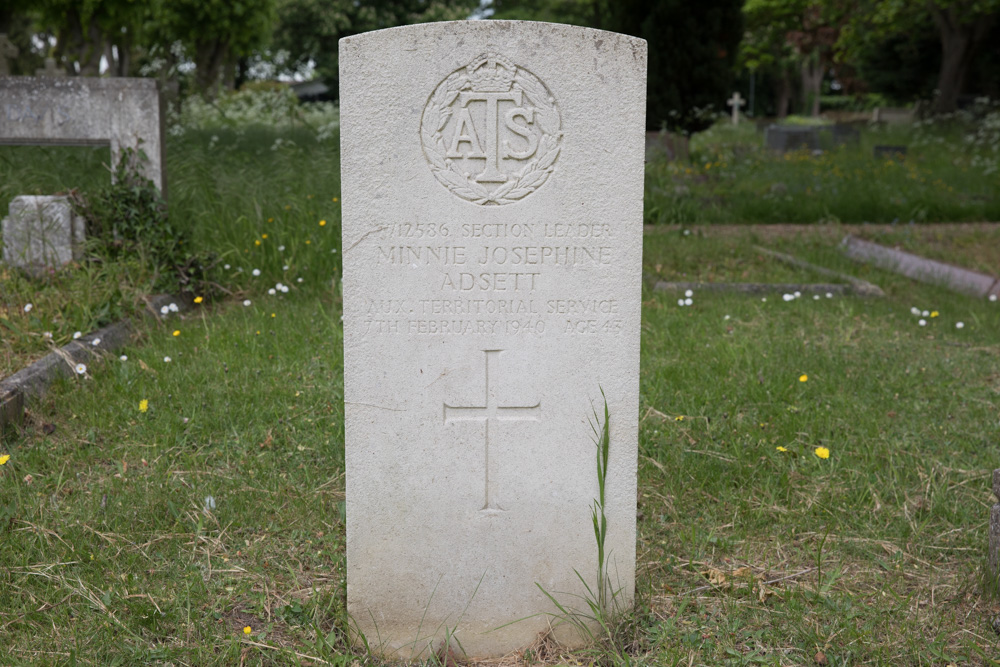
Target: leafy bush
[[129, 218]]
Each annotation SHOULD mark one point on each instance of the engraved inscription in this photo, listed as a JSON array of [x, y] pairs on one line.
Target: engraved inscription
[[489, 412], [491, 131], [24, 113]]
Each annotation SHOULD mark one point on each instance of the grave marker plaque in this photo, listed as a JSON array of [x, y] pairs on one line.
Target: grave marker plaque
[[492, 219]]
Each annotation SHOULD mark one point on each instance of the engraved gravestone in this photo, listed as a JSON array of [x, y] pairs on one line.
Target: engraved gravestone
[[492, 222]]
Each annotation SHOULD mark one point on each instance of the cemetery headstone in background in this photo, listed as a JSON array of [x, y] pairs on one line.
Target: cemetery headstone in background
[[736, 102], [892, 115], [41, 232], [50, 69], [784, 138], [845, 133], [122, 112], [492, 221]]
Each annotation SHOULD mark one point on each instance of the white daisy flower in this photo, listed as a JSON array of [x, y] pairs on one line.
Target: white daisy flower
[[298, 280], [959, 325], [284, 268], [815, 297], [687, 302], [915, 310], [272, 291], [680, 302], [47, 335], [726, 317], [798, 294], [95, 342], [281, 248], [926, 313], [81, 369], [922, 322], [829, 295], [77, 334], [279, 287], [246, 302], [124, 357], [284, 288], [226, 267], [173, 308], [167, 360], [763, 299], [28, 307], [993, 297], [688, 293], [255, 272], [787, 297], [165, 310]]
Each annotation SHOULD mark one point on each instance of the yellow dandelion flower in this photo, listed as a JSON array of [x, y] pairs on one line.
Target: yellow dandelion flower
[[288, 208], [270, 219], [256, 242], [272, 315], [781, 449], [198, 299], [143, 405], [308, 241], [935, 313], [4, 458], [822, 452], [322, 223], [247, 629], [803, 378], [177, 332], [336, 199], [263, 236], [679, 418]]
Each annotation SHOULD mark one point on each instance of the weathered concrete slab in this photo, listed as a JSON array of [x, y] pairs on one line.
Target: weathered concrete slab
[[42, 232], [492, 221], [921, 269], [861, 287], [122, 112], [784, 138]]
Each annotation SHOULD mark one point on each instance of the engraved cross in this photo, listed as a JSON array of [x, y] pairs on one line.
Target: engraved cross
[[489, 412]]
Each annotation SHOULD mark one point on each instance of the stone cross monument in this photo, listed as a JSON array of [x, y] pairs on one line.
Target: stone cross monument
[[736, 102]]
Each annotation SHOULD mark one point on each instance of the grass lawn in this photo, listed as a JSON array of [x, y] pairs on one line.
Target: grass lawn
[[153, 510], [875, 555], [732, 178]]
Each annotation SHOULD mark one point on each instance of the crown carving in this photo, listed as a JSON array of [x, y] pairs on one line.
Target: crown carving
[[491, 73]]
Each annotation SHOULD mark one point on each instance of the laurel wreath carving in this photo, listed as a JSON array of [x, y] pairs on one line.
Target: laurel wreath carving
[[529, 178]]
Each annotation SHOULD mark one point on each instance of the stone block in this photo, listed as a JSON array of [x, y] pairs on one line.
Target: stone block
[[41, 233]]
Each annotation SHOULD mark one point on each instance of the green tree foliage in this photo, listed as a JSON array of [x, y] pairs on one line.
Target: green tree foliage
[[573, 12], [692, 49], [215, 33], [307, 31], [962, 28]]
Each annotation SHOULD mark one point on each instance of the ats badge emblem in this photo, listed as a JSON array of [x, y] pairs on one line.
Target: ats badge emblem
[[491, 131]]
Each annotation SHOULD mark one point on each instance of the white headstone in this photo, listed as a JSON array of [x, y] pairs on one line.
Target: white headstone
[[736, 102], [492, 221], [41, 232]]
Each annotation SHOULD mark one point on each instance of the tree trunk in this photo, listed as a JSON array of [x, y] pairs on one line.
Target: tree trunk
[[784, 93], [812, 80], [209, 59], [958, 44]]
